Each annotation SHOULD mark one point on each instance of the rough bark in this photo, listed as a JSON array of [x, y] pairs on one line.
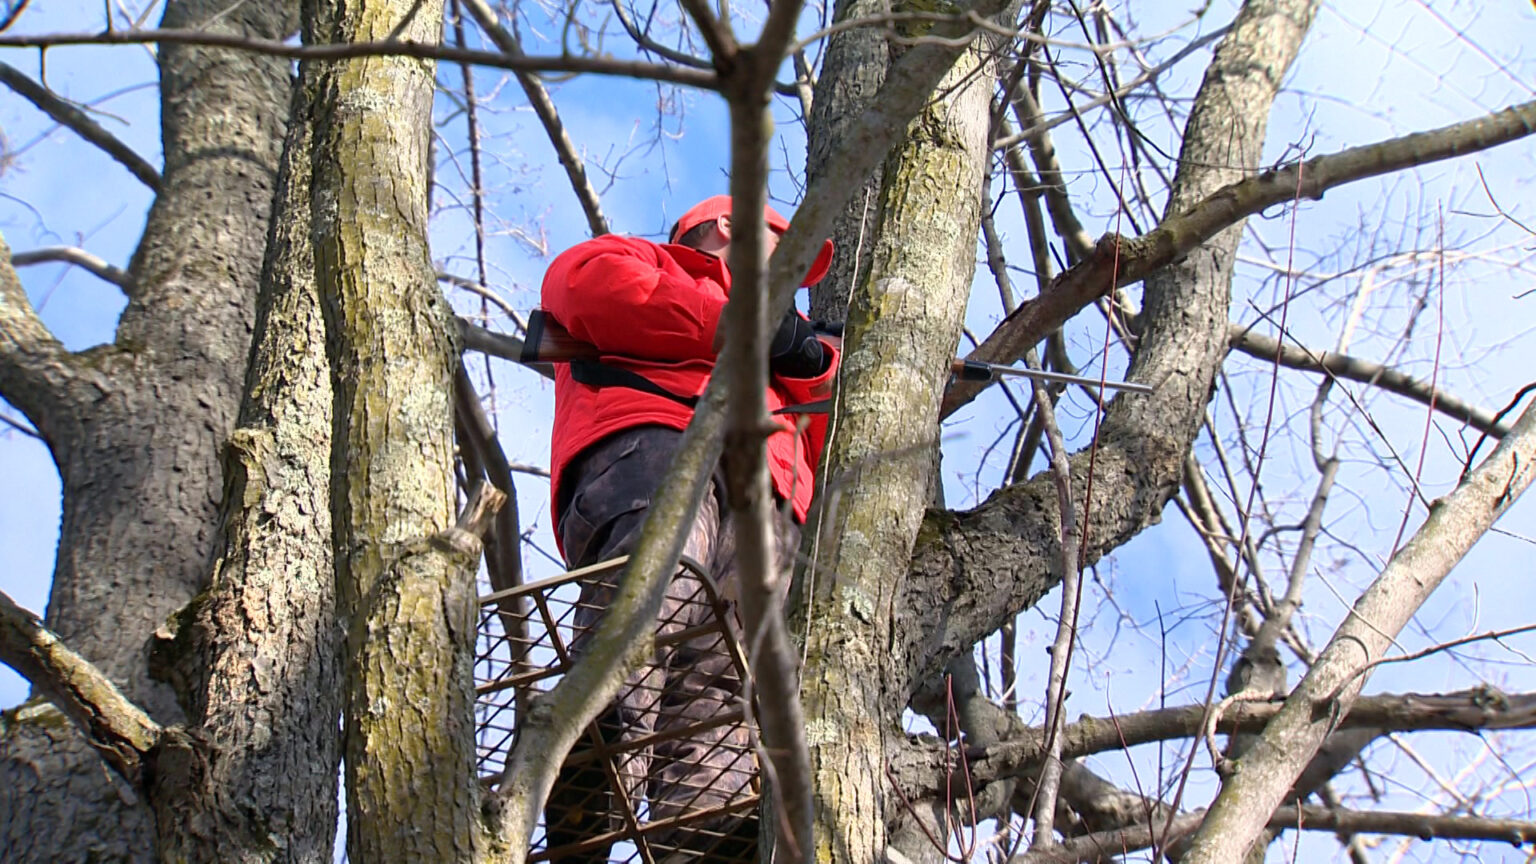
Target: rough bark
[[406, 590], [971, 571], [904, 323], [851, 73], [258, 651], [135, 428]]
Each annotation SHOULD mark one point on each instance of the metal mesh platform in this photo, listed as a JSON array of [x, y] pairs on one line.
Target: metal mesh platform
[[668, 774]]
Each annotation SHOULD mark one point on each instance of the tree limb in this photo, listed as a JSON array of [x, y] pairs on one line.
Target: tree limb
[[97, 266], [505, 346], [118, 729], [1054, 188], [1008, 139], [1454, 524], [1070, 565], [717, 34], [907, 87], [77, 121], [619, 644], [1097, 847], [920, 768], [1113, 264], [1292, 356], [762, 574]]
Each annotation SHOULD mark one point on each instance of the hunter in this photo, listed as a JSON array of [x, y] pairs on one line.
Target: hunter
[[651, 310]]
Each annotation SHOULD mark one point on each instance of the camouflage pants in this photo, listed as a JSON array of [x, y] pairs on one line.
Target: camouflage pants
[[691, 680]]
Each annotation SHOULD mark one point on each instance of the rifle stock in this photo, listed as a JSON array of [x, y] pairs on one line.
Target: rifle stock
[[546, 341]]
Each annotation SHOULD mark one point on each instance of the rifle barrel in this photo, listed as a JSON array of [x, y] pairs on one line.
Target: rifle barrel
[[549, 342]]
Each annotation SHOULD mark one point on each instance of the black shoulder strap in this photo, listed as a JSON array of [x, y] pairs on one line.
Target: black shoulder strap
[[595, 374]]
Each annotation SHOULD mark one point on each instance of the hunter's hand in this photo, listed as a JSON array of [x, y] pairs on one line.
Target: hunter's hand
[[794, 351]]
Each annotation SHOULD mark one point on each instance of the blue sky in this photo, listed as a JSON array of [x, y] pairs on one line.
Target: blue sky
[[1369, 70]]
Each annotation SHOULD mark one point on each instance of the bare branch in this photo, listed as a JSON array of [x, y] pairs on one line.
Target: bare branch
[[403, 48], [484, 293], [1054, 186], [1097, 847], [716, 32], [921, 770], [646, 43], [1454, 524], [544, 107], [744, 361], [119, 730], [481, 437], [907, 87], [773, 40], [1006, 140], [1115, 263], [72, 118], [481, 452], [97, 266], [1356, 369], [1070, 564]]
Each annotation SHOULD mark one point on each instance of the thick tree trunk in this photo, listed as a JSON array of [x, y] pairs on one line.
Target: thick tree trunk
[[904, 322], [259, 650], [137, 427], [408, 598]]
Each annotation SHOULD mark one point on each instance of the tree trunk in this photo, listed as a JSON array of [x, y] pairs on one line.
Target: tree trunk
[[408, 598], [137, 427], [904, 322], [853, 70], [260, 646]]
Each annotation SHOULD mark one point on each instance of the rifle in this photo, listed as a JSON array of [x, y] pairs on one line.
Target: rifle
[[547, 341]]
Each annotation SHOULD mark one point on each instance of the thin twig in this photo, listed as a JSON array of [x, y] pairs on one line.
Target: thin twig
[[405, 48], [72, 118], [544, 107], [95, 265], [1068, 561]]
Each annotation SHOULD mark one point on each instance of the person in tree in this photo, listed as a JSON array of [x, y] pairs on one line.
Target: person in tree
[[652, 310]]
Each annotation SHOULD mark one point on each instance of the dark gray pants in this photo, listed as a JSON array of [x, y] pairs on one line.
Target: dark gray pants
[[607, 493]]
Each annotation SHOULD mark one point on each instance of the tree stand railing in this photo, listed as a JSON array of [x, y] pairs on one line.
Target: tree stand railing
[[667, 776]]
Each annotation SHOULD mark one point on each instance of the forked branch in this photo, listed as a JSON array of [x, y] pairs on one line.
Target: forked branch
[[34, 367], [1454, 524]]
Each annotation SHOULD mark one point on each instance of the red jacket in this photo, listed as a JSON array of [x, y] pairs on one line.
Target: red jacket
[[634, 299]]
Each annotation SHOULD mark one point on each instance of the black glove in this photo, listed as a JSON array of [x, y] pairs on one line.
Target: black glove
[[794, 351]]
